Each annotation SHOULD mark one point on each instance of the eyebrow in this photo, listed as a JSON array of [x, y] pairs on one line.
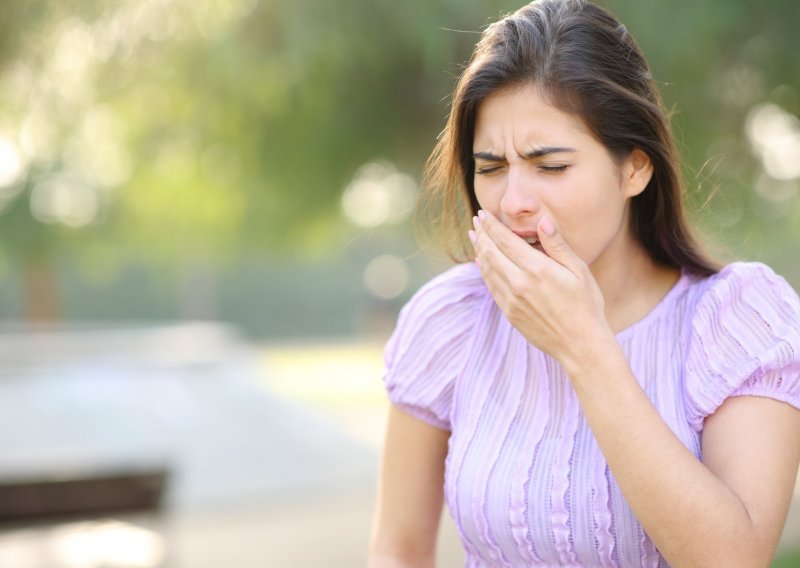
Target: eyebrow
[[537, 153]]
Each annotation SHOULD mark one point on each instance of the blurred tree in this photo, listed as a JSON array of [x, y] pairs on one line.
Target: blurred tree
[[183, 131], [28, 141], [718, 62]]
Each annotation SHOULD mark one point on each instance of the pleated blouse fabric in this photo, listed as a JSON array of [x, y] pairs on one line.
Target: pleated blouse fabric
[[525, 481]]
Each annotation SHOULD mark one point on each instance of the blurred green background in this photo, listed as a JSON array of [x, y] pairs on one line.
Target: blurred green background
[[255, 161]]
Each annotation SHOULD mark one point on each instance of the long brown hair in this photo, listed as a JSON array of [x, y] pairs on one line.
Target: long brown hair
[[587, 63]]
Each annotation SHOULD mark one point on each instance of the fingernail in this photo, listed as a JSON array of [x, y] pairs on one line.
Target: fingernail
[[481, 214], [546, 226], [472, 236], [476, 222]]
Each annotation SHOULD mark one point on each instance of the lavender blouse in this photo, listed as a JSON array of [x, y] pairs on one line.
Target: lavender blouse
[[525, 481]]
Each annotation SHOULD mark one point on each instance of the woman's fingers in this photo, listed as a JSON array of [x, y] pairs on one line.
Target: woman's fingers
[[546, 296], [524, 256], [495, 267], [556, 246], [507, 243]]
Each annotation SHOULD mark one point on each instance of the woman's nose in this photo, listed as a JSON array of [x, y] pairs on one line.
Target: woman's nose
[[519, 198]]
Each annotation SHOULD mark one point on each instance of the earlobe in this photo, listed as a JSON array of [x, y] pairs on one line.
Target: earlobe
[[638, 172]]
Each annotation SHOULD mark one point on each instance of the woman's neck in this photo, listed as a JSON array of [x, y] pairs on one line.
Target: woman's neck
[[632, 288]]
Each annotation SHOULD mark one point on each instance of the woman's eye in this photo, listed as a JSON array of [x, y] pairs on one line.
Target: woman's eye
[[487, 170], [553, 168]]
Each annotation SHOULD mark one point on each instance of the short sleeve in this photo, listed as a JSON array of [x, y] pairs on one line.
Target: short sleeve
[[428, 348], [745, 340]]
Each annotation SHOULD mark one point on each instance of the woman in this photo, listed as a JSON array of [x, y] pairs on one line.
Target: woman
[[591, 390]]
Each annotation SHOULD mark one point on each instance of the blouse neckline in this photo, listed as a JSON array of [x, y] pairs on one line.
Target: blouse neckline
[[658, 309]]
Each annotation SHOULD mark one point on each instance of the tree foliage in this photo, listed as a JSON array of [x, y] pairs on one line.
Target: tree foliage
[[173, 128]]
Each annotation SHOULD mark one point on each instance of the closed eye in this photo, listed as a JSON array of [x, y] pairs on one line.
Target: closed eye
[[553, 168], [487, 170]]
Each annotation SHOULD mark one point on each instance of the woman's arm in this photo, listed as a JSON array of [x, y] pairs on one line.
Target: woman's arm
[[728, 510], [410, 494]]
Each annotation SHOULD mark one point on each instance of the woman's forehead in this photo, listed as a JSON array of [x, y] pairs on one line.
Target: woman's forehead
[[522, 116]]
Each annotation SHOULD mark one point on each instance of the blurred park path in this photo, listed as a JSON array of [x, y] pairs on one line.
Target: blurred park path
[[250, 471], [342, 382]]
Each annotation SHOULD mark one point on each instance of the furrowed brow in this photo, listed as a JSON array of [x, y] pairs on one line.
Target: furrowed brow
[[545, 150], [535, 153], [488, 156]]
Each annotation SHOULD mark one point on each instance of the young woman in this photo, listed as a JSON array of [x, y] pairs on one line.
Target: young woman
[[589, 390]]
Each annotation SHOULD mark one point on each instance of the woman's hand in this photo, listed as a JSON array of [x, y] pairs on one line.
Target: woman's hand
[[552, 299]]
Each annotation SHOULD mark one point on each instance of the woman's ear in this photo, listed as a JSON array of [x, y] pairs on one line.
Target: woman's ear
[[636, 172]]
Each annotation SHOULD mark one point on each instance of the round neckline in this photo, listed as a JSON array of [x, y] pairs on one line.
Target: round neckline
[[662, 304]]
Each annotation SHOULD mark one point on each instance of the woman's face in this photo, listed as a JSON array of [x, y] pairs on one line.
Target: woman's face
[[533, 160]]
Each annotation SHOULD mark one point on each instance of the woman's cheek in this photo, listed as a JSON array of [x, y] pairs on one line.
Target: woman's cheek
[[483, 195]]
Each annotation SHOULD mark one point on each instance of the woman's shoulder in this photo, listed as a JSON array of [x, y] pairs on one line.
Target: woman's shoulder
[[744, 339], [748, 301], [459, 287], [425, 353], [461, 278], [442, 310], [745, 271], [747, 283]]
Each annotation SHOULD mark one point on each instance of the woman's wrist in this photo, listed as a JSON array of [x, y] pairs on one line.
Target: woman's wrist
[[592, 349]]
